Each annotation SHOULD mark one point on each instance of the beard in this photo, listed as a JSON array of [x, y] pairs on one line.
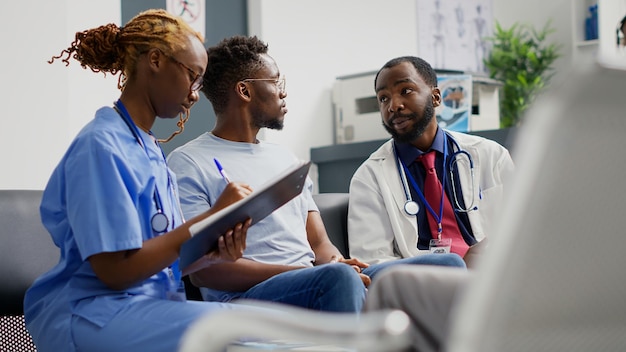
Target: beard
[[273, 124], [418, 128]]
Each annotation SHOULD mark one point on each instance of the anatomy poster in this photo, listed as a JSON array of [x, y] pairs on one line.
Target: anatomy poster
[[451, 33]]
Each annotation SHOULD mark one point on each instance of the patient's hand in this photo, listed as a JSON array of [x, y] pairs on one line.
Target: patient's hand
[[357, 265]]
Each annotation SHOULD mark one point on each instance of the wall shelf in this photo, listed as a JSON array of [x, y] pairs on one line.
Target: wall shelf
[[585, 43], [584, 52]]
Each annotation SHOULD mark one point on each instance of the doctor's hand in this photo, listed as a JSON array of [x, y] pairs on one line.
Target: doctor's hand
[[474, 253], [357, 265]]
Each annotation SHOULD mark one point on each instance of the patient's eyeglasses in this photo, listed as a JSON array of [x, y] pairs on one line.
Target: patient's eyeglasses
[[281, 82]]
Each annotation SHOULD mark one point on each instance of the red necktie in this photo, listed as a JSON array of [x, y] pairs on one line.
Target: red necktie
[[432, 193]]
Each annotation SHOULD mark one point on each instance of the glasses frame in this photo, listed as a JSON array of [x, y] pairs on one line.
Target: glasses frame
[[280, 82], [197, 82]]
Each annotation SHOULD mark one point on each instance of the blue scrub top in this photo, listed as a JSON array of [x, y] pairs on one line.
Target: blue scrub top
[[100, 198]]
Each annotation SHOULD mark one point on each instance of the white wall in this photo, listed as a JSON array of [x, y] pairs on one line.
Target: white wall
[[537, 13], [611, 13], [45, 105], [314, 42]]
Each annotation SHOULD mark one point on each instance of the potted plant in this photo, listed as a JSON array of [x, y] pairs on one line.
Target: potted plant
[[522, 60]]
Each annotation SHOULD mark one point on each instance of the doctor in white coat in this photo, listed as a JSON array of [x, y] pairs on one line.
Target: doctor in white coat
[[384, 212]]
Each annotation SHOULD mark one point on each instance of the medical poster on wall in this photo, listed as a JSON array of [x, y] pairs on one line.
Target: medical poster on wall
[[456, 102], [192, 11], [452, 33]]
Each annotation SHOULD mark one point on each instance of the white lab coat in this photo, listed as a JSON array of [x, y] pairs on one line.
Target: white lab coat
[[380, 230]]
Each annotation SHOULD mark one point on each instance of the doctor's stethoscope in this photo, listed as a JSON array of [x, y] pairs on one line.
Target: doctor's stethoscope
[[411, 207], [159, 220]]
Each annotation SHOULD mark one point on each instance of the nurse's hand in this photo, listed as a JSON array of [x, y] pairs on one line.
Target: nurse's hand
[[233, 192], [230, 247]]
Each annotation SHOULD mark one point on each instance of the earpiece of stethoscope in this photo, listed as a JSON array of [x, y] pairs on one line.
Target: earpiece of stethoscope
[[411, 207], [452, 165]]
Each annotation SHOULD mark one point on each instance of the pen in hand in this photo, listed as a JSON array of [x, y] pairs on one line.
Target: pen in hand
[[221, 170]]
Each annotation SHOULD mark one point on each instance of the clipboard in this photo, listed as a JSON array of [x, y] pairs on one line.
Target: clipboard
[[259, 204]]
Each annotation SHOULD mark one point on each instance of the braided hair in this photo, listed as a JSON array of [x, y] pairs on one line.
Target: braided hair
[[112, 49]]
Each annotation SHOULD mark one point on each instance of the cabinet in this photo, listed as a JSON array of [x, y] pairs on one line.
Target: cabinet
[[357, 116]]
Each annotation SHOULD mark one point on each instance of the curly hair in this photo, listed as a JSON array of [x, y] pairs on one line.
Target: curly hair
[[112, 49], [230, 61], [424, 69]]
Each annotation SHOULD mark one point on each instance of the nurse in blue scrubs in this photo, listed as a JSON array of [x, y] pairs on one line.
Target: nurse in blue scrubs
[[111, 204]]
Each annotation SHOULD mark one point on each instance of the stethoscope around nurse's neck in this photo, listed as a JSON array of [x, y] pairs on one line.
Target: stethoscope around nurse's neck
[[159, 220], [412, 208]]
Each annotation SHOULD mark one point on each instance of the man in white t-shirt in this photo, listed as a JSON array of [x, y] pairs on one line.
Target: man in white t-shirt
[[288, 257]]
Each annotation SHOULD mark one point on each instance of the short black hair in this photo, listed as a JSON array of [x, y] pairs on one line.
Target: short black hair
[[423, 68], [230, 61]]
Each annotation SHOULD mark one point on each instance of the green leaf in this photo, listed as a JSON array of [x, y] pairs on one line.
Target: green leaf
[[523, 60]]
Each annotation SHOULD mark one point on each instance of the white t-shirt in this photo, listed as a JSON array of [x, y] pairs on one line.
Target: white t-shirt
[[281, 237]]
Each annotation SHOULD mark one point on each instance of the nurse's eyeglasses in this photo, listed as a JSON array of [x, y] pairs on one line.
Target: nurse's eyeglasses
[[196, 78]]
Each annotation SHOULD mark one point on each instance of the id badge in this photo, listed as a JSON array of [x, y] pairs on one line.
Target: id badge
[[176, 288], [440, 245]]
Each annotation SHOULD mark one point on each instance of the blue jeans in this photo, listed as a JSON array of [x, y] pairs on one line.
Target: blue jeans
[[329, 287], [448, 259]]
